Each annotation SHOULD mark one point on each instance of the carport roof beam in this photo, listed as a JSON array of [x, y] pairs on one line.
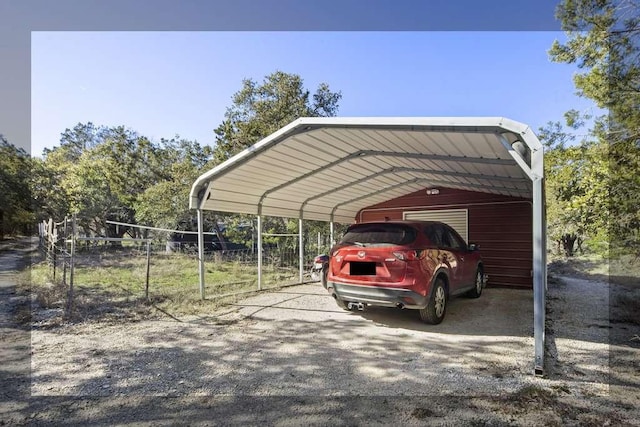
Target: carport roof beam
[[395, 169], [414, 181], [369, 153]]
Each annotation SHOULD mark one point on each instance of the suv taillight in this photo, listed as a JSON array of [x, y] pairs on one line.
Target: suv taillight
[[405, 255]]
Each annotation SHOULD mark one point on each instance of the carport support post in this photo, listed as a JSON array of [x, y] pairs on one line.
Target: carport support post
[[331, 234], [259, 232], [301, 249], [201, 253], [539, 268]]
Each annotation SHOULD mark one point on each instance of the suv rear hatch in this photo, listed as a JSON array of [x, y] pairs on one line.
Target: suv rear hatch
[[374, 252]]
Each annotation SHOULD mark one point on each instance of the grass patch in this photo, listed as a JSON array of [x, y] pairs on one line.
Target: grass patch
[[536, 405], [112, 284], [532, 395]]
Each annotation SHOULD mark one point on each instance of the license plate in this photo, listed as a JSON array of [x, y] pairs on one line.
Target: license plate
[[317, 265], [359, 268]]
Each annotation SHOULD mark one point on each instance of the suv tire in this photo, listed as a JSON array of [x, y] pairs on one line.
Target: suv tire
[[435, 310], [478, 284]]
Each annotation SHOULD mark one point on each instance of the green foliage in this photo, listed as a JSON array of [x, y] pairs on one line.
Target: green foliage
[[50, 199], [604, 41], [112, 173], [164, 203], [16, 210], [261, 109], [577, 187], [257, 111], [101, 172], [624, 193]]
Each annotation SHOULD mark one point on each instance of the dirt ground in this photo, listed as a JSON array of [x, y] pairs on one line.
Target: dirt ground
[[293, 357]]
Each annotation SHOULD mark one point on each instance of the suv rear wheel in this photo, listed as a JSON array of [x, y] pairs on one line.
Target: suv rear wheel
[[434, 312], [477, 290]]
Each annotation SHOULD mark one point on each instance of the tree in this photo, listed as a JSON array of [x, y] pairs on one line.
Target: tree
[[577, 180], [164, 203], [100, 172], [112, 173], [50, 199], [261, 109], [74, 142], [16, 209], [257, 111], [604, 41], [57, 186]]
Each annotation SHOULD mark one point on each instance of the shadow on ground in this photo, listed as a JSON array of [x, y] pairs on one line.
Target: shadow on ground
[[292, 357]]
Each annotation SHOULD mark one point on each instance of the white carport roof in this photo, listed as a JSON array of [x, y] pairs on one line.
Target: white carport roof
[[329, 168]]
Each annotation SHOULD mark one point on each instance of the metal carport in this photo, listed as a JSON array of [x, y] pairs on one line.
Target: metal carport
[[360, 161]]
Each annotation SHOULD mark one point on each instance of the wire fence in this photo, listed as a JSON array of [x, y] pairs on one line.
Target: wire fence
[[158, 269]]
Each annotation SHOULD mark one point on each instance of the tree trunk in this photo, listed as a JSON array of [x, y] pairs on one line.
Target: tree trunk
[[223, 244], [568, 241], [579, 242], [117, 231]]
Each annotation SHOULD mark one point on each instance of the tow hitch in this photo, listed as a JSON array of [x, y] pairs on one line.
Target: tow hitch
[[355, 305]]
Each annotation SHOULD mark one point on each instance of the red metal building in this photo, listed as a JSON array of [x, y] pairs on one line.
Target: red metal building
[[501, 225]]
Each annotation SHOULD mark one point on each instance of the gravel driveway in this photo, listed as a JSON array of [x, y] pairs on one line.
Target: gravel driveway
[[293, 357], [296, 342], [15, 339]]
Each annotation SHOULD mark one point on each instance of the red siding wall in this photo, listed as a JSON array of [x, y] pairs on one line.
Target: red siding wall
[[501, 225]]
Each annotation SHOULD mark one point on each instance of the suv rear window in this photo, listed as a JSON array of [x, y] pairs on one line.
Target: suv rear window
[[379, 234]]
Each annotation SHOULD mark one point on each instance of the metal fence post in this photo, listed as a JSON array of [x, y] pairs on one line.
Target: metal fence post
[[146, 286], [50, 248], [71, 266], [55, 257], [64, 252]]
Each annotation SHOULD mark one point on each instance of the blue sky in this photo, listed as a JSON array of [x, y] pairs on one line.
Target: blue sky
[[166, 83]]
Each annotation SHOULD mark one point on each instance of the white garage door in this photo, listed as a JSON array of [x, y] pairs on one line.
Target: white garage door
[[458, 219]]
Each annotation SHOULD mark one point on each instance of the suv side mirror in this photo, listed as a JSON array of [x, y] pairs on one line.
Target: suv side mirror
[[473, 247]]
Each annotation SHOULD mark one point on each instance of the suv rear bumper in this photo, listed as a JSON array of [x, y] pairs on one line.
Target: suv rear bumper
[[378, 296]]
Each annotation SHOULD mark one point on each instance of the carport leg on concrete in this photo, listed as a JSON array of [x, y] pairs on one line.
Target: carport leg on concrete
[[539, 280], [259, 252], [331, 241], [301, 249], [200, 253]]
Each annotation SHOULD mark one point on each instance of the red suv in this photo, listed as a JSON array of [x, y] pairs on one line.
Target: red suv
[[405, 264]]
